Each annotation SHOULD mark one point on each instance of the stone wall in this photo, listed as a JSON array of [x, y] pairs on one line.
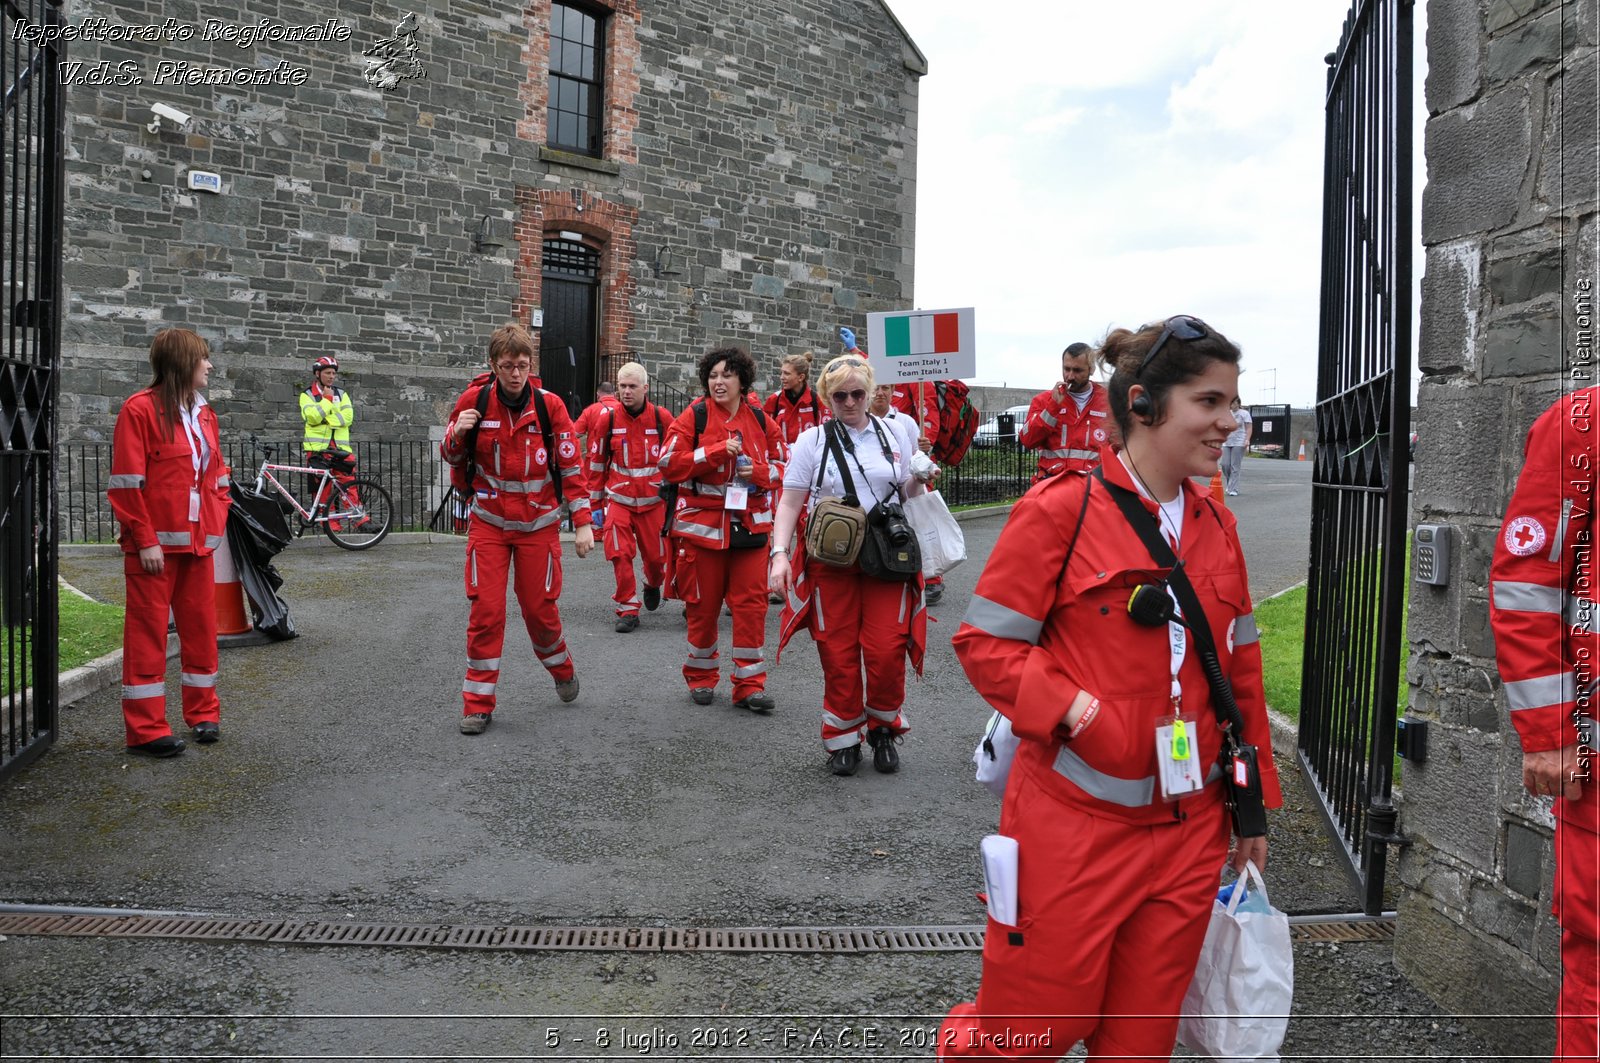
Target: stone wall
[[1509, 227], [757, 186]]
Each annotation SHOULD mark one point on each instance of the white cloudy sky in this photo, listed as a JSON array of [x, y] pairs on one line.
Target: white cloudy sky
[[1082, 165]]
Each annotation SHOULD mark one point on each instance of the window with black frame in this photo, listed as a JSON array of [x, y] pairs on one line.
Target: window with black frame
[[577, 79]]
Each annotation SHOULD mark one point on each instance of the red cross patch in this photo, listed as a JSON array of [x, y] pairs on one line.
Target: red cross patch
[[567, 449], [1099, 435], [1524, 536]]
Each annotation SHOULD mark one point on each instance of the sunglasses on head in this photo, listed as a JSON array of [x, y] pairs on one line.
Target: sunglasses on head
[[842, 397], [1182, 327]]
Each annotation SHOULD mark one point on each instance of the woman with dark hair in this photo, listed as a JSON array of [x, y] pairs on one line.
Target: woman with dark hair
[[728, 458], [1115, 797], [169, 491]]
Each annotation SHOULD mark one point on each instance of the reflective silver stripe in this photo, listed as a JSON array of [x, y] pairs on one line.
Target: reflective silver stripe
[[835, 722], [1080, 454], [749, 670], [1055, 453], [515, 487], [695, 662], [699, 456], [515, 525], [1129, 793], [1559, 539], [124, 479], [710, 490], [556, 661], [759, 520], [697, 531], [748, 653], [224, 481], [886, 715], [213, 541], [484, 664], [633, 501], [697, 651], [556, 645], [143, 690], [843, 741], [1002, 622], [643, 470], [472, 686], [796, 603], [172, 538], [1245, 631], [1527, 597], [1543, 692], [1048, 418], [196, 679]]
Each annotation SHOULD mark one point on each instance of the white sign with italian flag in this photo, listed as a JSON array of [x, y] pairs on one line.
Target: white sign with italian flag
[[923, 345]]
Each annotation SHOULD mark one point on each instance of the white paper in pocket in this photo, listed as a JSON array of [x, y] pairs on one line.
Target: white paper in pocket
[[1000, 877]]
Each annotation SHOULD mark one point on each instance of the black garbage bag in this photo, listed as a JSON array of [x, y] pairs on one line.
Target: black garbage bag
[[257, 532]]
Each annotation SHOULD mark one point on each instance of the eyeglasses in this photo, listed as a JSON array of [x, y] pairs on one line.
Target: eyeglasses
[[1182, 327], [515, 367], [842, 397]]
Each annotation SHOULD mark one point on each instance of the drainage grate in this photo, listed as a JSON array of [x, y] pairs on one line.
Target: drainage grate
[[582, 938]]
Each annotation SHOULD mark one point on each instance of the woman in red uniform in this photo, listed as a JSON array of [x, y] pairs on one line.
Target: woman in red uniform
[[1115, 877], [863, 627], [728, 457], [169, 491], [795, 406]]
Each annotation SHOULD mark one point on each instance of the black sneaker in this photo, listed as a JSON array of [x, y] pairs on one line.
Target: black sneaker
[[165, 746], [932, 593], [652, 598], [627, 623], [885, 757], [845, 761], [701, 695], [759, 702]]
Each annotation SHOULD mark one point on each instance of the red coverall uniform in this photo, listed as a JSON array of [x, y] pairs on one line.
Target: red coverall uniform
[[515, 522], [624, 471], [585, 425], [707, 571], [1115, 883], [863, 627], [162, 497], [1067, 438], [1543, 610], [906, 398]]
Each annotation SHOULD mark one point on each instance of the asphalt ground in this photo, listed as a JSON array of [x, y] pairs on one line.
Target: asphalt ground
[[342, 791]]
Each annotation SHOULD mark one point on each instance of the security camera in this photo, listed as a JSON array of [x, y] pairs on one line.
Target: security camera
[[170, 113]]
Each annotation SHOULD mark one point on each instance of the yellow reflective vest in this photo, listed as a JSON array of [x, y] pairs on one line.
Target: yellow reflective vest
[[327, 419]]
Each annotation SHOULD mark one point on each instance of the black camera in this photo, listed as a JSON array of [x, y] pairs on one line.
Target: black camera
[[893, 519]]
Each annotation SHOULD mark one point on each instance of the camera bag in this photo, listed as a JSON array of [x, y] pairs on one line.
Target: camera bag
[[879, 556]]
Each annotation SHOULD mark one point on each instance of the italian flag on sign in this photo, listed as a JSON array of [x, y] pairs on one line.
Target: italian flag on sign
[[918, 334]]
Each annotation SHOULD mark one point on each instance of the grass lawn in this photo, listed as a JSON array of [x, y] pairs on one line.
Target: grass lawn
[[88, 630]]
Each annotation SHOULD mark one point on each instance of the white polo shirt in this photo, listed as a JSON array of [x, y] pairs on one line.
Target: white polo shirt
[[868, 462]]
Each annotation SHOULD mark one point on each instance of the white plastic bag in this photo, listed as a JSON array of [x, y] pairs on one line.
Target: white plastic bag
[[939, 534], [1237, 1007], [994, 754]]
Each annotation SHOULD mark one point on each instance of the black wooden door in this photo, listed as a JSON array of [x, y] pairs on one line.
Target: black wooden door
[[571, 322]]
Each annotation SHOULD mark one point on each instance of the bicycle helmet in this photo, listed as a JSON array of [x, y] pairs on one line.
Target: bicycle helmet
[[327, 361]]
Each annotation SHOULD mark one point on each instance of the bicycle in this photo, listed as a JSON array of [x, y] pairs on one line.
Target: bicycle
[[356, 515]]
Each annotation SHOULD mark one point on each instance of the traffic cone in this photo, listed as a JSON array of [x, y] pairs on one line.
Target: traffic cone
[[1302, 451], [1216, 487], [231, 617]]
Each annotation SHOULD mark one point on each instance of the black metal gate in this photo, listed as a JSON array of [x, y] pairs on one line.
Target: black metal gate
[[30, 359], [1354, 639]]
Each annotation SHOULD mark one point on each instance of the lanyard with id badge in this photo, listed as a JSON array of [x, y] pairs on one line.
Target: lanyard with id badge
[[1176, 734], [738, 492]]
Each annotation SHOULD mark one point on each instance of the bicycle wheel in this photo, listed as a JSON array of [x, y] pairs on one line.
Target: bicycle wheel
[[360, 522]]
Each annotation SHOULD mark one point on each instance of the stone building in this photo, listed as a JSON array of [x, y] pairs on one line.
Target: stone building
[[1509, 221], [647, 179]]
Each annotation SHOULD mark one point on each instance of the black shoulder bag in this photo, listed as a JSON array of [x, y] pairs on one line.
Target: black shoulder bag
[[1241, 773]]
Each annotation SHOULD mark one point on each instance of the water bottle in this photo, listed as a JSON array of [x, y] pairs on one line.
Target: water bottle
[[743, 464]]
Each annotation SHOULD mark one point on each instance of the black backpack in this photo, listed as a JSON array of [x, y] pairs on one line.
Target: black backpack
[[669, 490]]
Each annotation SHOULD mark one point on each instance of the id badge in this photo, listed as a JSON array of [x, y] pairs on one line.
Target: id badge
[[1178, 756], [738, 496], [194, 505]]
